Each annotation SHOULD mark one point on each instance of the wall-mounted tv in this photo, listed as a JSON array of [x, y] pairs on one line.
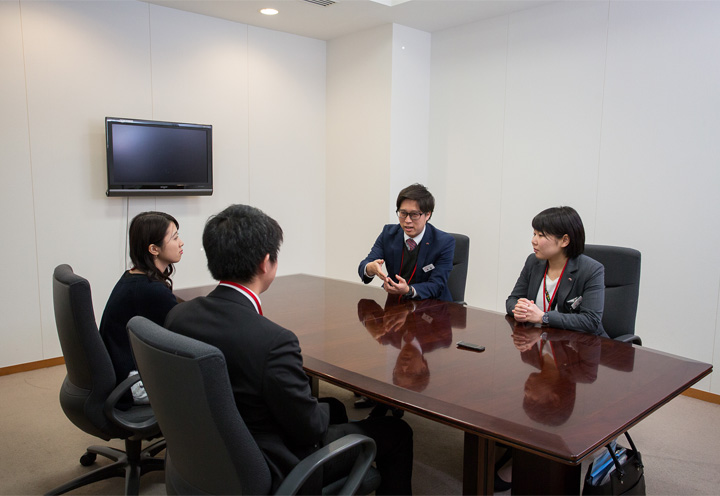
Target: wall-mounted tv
[[153, 158]]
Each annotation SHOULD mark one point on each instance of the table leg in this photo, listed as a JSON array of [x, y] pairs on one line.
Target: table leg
[[314, 385], [533, 474], [478, 465]]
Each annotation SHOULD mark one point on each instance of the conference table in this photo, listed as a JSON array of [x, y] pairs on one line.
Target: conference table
[[554, 396]]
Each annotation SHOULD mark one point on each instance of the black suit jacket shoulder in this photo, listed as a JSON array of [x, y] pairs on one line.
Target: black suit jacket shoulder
[[264, 361]]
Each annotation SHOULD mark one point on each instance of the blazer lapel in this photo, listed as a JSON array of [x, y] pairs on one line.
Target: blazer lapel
[[536, 277], [567, 283], [397, 249], [426, 243]]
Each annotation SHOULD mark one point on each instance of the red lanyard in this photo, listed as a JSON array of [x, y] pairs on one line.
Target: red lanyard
[[547, 298], [247, 292], [402, 258]]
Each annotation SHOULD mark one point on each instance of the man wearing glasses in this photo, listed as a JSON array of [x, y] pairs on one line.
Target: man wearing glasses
[[413, 258]]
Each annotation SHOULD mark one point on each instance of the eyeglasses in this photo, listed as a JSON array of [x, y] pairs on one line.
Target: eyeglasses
[[402, 214]]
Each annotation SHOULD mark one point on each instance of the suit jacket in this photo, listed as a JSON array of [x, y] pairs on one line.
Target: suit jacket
[[271, 389], [436, 248], [429, 323], [583, 277]]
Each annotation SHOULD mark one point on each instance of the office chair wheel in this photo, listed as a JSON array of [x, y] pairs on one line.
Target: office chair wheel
[[87, 459]]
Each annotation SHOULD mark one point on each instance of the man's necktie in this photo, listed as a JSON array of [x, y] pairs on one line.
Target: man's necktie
[[411, 244]]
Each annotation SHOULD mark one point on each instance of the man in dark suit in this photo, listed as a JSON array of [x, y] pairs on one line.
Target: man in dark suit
[[414, 252], [264, 361]]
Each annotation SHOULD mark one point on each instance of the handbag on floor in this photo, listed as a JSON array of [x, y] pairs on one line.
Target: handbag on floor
[[622, 472]]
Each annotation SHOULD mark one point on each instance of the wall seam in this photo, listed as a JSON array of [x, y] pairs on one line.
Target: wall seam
[[249, 110], [714, 340], [498, 297], [32, 180], [602, 116], [150, 53]]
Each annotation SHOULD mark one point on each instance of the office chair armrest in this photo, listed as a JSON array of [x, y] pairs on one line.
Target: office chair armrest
[[147, 426], [629, 338], [303, 470]]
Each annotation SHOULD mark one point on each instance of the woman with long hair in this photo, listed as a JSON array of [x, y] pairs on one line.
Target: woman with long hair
[[145, 289]]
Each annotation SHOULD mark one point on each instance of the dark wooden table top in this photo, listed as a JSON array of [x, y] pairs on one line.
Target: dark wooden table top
[[562, 404]]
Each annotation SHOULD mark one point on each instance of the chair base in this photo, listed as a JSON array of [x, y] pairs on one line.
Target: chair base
[[131, 464]]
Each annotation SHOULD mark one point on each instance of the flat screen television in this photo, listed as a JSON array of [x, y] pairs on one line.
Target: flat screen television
[[154, 158]]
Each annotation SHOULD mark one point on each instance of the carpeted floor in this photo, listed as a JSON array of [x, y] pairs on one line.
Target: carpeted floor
[[40, 448]]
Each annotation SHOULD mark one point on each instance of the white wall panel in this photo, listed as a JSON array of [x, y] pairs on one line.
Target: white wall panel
[[19, 297], [659, 175], [359, 88], [611, 107], [556, 57], [466, 144], [287, 142], [410, 110], [83, 61], [200, 74]]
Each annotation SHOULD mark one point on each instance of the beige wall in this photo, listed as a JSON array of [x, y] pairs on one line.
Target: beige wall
[[359, 96], [611, 107], [67, 65]]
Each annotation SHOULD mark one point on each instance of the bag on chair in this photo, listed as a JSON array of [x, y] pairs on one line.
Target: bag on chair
[[620, 473]]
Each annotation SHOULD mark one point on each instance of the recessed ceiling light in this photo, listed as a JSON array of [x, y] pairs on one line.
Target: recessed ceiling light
[[269, 11]]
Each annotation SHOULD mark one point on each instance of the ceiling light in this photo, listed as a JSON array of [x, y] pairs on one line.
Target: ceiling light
[[268, 11]]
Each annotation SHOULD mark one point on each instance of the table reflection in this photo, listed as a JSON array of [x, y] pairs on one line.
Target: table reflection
[[564, 359], [415, 328]]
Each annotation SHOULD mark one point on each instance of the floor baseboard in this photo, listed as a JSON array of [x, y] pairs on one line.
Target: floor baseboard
[[703, 395], [24, 367]]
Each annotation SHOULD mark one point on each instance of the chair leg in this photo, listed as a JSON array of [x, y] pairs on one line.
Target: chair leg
[[148, 462], [154, 448], [130, 464], [132, 479], [106, 451], [115, 469]]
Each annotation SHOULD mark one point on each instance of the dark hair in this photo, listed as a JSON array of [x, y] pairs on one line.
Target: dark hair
[[557, 404], [149, 228], [558, 221], [418, 193], [236, 241]]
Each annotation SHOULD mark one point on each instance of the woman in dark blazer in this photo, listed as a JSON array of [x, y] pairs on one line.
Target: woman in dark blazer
[[559, 286]]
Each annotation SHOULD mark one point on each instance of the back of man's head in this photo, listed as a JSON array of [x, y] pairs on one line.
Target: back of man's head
[[237, 240]]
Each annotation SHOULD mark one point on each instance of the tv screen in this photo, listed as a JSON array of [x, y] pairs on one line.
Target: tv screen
[[152, 158]]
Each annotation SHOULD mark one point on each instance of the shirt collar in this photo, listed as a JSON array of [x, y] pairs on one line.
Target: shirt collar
[[417, 238], [246, 295]]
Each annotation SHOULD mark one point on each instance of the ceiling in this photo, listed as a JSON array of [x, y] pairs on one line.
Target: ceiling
[[307, 18]]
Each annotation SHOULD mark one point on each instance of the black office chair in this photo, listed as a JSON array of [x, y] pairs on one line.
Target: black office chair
[[88, 395], [622, 287], [209, 448], [458, 274]]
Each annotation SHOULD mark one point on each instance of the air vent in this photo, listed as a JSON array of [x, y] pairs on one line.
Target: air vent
[[321, 3]]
